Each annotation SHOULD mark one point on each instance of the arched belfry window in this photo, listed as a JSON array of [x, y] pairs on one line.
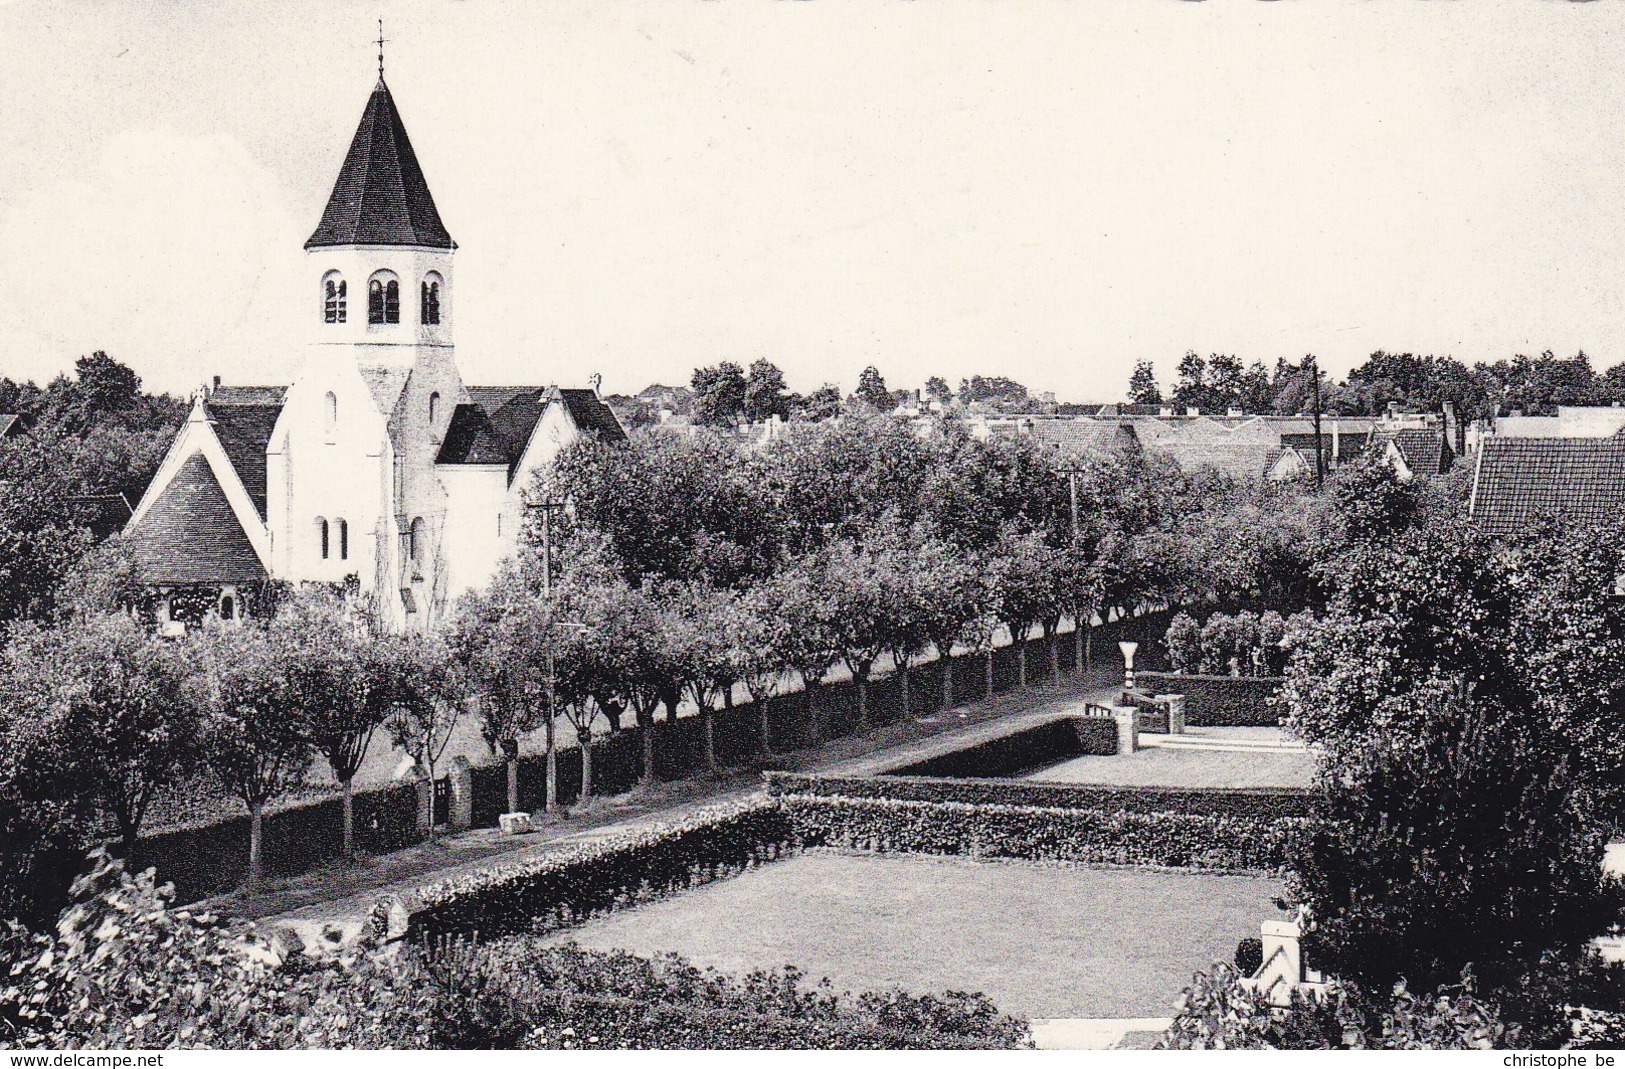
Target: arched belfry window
[[322, 535], [431, 301], [383, 299], [334, 303], [330, 410], [434, 406], [344, 538]]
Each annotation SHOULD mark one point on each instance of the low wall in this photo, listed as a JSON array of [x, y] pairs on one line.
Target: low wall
[[1220, 701]]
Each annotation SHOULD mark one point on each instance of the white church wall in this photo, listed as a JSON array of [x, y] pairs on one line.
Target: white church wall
[[479, 531]]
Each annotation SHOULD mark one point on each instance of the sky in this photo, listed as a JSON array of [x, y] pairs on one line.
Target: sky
[[1044, 190]]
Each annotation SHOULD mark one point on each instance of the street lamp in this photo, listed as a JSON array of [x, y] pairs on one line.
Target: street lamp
[[548, 507], [1128, 649]]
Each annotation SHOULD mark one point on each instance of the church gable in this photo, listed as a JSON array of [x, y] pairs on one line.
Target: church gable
[[244, 431], [190, 534]]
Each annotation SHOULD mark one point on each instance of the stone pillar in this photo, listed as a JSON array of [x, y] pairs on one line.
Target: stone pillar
[[425, 789], [462, 794], [1128, 728], [1176, 713]]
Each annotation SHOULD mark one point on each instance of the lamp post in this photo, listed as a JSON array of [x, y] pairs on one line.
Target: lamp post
[[1128, 649]]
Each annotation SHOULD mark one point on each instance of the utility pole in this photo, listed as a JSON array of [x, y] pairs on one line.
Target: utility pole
[[1313, 367], [549, 679]]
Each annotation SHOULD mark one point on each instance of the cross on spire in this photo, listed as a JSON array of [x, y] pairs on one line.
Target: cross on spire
[[380, 44]]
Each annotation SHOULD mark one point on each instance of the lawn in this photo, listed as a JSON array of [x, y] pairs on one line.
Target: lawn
[[1041, 940], [1160, 767]]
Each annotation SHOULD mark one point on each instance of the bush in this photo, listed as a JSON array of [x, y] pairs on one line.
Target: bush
[[1039, 834], [567, 885], [521, 993], [1221, 701], [1184, 642], [1216, 1013], [1249, 955]]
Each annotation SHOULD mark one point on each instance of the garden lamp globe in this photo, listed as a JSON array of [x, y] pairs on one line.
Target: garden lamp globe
[[1128, 649]]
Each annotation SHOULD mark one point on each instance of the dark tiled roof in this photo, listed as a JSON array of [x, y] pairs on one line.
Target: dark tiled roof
[[1580, 480], [1076, 436], [190, 534], [1239, 460], [1424, 449], [247, 395], [1349, 444], [470, 439], [103, 514], [592, 416], [381, 196], [496, 425], [244, 431]]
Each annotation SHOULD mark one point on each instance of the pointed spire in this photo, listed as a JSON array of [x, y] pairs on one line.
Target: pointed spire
[[381, 196]]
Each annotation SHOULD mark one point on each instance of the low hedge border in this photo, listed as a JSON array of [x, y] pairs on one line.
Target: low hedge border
[[566, 1021], [1034, 833], [568, 885], [1220, 701], [1043, 744], [1266, 803]]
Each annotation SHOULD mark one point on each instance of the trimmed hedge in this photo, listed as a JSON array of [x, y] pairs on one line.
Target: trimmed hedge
[[1220, 701], [1119, 837], [1035, 747], [1264, 803], [568, 885], [519, 992]]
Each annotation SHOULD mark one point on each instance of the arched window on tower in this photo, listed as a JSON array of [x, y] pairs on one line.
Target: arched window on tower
[[431, 301], [322, 536], [375, 301], [392, 301], [330, 410], [434, 406], [415, 547], [333, 298], [344, 538]]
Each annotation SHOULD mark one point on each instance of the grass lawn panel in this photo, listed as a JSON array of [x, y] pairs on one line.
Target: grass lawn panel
[[1168, 767], [1042, 941]]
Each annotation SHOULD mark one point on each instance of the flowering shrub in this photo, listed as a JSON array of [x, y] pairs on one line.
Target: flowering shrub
[[1045, 834], [520, 993], [566, 885], [1216, 1013], [1245, 644]]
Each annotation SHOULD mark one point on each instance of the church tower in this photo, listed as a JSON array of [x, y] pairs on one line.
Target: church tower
[[354, 489]]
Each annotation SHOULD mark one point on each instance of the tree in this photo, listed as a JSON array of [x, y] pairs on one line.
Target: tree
[[256, 733], [425, 697], [337, 682], [823, 403], [992, 389], [499, 639], [862, 583], [119, 702], [955, 600], [805, 633], [1142, 385], [765, 393], [1224, 381], [938, 390], [40, 540], [1022, 579], [872, 390], [719, 395], [1191, 391]]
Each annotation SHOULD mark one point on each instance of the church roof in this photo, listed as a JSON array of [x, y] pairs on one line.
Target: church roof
[[381, 196], [244, 431], [496, 424], [191, 535]]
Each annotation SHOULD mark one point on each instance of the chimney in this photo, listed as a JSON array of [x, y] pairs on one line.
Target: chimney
[[216, 385], [1454, 433], [1393, 409], [1193, 411]]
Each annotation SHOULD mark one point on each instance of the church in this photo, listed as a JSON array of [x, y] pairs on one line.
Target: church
[[378, 468]]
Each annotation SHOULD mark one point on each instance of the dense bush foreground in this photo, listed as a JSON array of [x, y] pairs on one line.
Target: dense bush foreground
[[127, 971]]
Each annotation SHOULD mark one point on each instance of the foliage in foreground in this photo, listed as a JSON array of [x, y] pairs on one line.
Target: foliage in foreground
[[126, 970]]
